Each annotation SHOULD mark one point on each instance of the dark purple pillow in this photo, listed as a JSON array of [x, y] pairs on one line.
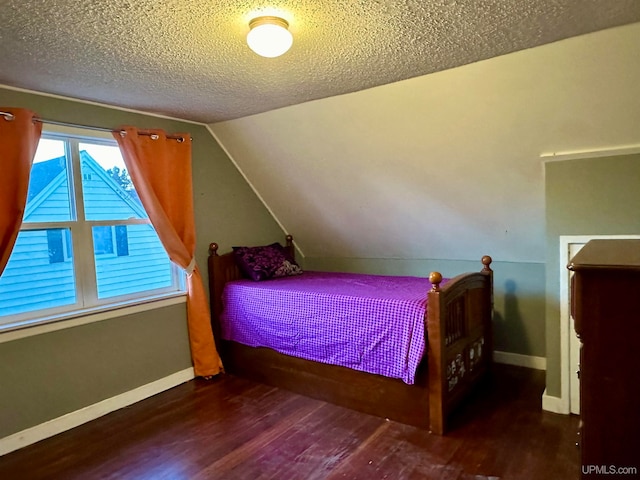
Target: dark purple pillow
[[268, 261]]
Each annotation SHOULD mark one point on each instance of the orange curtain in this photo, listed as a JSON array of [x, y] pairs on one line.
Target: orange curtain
[[19, 137], [160, 168]]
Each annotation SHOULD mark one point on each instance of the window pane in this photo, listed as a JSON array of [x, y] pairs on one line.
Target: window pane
[[55, 245], [122, 240], [103, 240], [38, 275], [146, 265], [106, 185], [48, 198]]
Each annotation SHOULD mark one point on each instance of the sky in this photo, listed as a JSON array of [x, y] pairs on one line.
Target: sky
[[107, 156]]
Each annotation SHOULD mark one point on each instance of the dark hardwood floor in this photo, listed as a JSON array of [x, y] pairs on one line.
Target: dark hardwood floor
[[230, 428]]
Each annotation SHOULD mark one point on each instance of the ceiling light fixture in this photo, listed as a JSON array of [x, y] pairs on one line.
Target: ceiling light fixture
[[269, 36]]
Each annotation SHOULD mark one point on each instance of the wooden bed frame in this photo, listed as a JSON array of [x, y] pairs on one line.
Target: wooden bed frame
[[459, 351]]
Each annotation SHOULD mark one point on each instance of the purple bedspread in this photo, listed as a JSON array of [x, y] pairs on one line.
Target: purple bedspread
[[371, 323]]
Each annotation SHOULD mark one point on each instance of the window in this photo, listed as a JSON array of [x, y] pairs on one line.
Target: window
[[85, 242]]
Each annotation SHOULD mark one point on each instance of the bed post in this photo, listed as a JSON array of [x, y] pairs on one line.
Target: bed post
[[459, 324], [435, 360], [214, 293], [222, 269], [289, 246], [488, 337]]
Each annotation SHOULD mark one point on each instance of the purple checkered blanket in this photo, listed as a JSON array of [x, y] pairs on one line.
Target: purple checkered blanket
[[371, 323]]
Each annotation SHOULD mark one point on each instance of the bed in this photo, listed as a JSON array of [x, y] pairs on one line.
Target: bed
[[456, 333]]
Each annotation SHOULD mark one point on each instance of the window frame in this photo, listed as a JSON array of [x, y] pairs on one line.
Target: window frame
[[84, 263]]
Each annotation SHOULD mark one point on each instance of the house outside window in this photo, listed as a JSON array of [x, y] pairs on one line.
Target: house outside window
[[86, 242]]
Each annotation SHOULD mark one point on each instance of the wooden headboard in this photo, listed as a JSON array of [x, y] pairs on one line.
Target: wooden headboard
[[223, 269]]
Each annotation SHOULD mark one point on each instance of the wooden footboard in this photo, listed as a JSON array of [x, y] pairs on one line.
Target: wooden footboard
[[458, 318]]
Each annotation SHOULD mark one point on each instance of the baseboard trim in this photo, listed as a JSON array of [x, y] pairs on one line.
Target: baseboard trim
[[73, 419], [554, 404], [519, 360]]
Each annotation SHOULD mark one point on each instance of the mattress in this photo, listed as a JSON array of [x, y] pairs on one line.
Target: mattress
[[372, 323]]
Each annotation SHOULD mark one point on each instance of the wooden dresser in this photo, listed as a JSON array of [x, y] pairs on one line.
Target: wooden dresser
[[606, 308]]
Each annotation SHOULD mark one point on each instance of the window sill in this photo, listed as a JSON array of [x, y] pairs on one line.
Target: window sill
[[31, 328]]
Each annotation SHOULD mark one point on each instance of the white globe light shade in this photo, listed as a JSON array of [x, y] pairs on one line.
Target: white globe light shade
[[269, 36]]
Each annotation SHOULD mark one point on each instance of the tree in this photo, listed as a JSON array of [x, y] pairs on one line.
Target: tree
[[121, 177]]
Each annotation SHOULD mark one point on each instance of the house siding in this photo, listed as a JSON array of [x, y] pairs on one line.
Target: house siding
[[103, 203], [52, 204], [146, 267], [30, 282]]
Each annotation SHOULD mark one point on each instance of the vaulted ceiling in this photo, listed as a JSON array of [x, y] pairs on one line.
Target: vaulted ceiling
[[189, 60]]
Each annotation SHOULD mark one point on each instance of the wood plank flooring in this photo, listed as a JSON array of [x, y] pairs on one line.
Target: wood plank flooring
[[231, 428]]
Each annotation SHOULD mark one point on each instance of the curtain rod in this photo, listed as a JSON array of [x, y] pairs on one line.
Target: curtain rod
[[9, 116]]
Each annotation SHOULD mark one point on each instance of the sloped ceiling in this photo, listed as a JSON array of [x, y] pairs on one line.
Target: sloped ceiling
[[189, 59], [447, 165]]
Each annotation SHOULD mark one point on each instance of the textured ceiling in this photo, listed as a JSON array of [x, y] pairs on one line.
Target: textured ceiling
[[189, 59]]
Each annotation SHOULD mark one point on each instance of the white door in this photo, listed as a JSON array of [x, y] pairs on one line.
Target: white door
[[574, 345]]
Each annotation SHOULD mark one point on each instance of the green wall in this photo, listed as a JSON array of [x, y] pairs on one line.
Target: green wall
[[595, 196], [518, 293], [48, 375]]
